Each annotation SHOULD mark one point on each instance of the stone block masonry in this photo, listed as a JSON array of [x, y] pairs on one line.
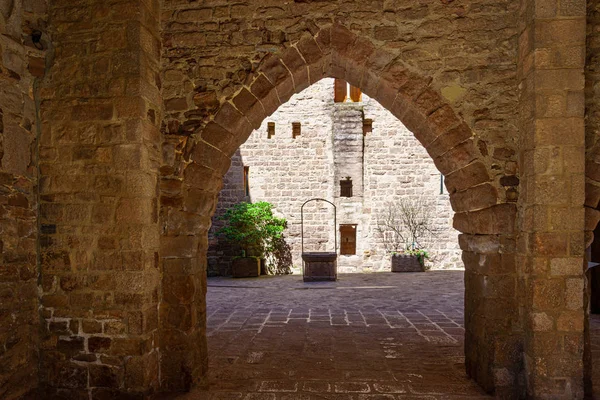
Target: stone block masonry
[[99, 159], [386, 165], [21, 68]]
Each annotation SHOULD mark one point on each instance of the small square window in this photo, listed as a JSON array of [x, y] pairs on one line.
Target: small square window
[[270, 129], [367, 126], [296, 129]]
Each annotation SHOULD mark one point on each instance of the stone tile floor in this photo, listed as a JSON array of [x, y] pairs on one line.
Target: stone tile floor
[[379, 336]]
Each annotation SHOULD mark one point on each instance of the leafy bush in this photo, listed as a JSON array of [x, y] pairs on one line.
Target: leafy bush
[[256, 230]]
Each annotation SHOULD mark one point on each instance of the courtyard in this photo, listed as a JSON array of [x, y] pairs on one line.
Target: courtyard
[[366, 336], [379, 336]]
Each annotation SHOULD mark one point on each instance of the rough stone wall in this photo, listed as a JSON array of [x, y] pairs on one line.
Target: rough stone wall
[[551, 242], [592, 112], [20, 66], [398, 166], [99, 159], [287, 171], [592, 149], [470, 49]]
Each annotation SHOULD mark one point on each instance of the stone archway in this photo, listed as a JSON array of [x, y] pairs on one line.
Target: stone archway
[[486, 220]]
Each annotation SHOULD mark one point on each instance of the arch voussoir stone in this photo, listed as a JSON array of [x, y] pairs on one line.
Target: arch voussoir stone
[[219, 137], [592, 217], [592, 195], [310, 50], [456, 158], [209, 156], [200, 176], [266, 93], [234, 121], [249, 105], [471, 175], [474, 198], [279, 75], [429, 101], [296, 64], [449, 140], [342, 38], [494, 220]]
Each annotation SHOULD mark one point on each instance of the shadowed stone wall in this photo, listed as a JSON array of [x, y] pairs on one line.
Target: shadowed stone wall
[[551, 243], [99, 159], [21, 65], [287, 172]]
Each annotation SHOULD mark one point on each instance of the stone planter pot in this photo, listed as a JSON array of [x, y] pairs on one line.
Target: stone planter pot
[[245, 267], [406, 263]]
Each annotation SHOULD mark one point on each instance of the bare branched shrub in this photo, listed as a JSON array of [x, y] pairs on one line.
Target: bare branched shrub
[[405, 224]]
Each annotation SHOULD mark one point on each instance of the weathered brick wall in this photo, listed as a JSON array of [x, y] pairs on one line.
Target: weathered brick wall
[[20, 65], [287, 171], [99, 159]]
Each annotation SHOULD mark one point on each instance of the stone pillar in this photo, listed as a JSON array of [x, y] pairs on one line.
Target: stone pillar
[[99, 242], [492, 330], [22, 66], [551, 241]]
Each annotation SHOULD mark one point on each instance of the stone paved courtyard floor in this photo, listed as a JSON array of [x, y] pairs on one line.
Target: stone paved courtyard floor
[[380, 336], [367, 336]]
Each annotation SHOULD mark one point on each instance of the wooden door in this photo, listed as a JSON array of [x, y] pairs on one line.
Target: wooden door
[[347, 239]]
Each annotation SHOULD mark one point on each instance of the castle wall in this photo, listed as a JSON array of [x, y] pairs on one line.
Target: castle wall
[[20, 65], [386, 165]]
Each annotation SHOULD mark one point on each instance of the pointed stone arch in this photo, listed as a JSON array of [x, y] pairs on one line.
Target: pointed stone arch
[[487, 224]]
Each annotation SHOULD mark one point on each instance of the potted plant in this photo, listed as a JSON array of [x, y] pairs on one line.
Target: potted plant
[[401, 229], [257, 232]]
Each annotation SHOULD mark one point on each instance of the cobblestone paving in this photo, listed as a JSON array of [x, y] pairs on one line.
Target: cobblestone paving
[[365, 337], [378, 336]]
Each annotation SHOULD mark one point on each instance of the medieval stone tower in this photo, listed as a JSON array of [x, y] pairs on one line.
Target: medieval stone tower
[[119, 119]]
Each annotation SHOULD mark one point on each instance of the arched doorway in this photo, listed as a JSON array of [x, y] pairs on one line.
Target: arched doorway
[[483, 215]]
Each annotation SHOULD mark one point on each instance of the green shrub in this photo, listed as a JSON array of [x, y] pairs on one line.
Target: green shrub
[[256, 230]]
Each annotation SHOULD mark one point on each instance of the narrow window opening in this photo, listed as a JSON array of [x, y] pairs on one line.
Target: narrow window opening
[[270, 129], [246, 181], [367, 126], [343, 92], [346, 187], [347, 239], [442, 188], [296, 129]]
